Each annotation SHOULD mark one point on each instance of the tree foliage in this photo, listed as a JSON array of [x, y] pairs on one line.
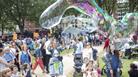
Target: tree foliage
[[18, 11]]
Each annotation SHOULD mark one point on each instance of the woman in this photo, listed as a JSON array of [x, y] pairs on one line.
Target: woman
[[107, 60], [87, 52], [3, 62]]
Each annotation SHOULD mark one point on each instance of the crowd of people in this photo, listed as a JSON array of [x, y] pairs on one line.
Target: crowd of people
[[17, 55]]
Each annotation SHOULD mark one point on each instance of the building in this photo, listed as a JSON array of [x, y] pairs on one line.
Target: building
[[122, 8]]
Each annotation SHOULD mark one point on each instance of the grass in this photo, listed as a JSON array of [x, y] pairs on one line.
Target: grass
[[66, 52], [125, 69]]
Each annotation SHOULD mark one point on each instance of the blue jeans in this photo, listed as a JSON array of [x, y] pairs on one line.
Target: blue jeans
[[116, 73], [108, 74]]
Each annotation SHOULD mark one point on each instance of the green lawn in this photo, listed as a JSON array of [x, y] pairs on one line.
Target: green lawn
[[66, 52], [125, 69], [126, 64]]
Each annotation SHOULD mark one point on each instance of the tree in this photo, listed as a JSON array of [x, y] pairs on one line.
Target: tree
[[109, 6], [18, 11], [133, 5]]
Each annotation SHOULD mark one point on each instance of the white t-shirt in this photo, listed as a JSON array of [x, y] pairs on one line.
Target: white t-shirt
[[79, 48], [47, 44], [2, 66], [13, 50], [126, 46], [87, 52]]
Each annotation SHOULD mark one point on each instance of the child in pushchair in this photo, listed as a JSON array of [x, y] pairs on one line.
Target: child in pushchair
[[56, 66], [78, 62]]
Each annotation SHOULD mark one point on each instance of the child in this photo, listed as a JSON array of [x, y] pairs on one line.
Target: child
[[90, 71], [133, 72], [6, 72], [15, 72], [85, 61], [26, 70], [38, 57], [25, 56]]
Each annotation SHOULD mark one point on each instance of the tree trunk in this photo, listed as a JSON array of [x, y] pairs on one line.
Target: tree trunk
[[2, 27], [21, 27]]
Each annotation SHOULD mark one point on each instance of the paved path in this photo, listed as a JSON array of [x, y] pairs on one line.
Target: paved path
[[68, 64]]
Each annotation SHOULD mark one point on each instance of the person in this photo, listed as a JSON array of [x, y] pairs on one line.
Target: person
[[127, 50], [85, 61], [8, 55], [3, 62], [6, 72], [15, 72], [106, 44], [133, 72], [107, 59], [55, 64], [36, 34], [90, 71], [38, 57], [79, 46], [14, 49], [26, 70], [25, 56], [135, 37], [116, 63], [29, 43], [47, 54], [87, 52], [14, 36]]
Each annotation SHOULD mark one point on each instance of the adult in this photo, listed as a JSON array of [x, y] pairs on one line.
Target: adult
[[135, 38], [47, 54], [106, 48], [10, 57], [79, 46], [3, 62], [107, 60], [87, 52], [116, 64]]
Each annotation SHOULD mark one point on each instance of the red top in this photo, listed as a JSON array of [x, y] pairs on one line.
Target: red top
[[107, 42]]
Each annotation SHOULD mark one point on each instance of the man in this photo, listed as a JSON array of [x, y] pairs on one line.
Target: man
[[47, 55], [116, 64], [79, 46]]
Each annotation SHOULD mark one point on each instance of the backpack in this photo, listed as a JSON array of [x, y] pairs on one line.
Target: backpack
[[28, 41], [24, 58], [94, 54]]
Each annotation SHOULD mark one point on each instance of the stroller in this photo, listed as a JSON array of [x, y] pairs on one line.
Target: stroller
[[56, 66], [78, 62]]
